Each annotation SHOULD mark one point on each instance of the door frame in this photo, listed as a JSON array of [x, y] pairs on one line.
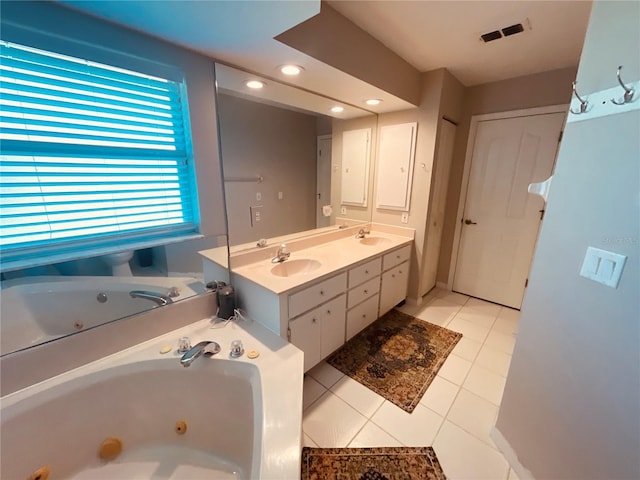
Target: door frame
[[473, 129], [319, 138]]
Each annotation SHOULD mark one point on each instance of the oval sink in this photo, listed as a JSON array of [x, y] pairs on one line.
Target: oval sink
[[374, 241], [292, 268]]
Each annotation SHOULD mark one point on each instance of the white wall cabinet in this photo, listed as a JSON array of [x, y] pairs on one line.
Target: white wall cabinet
[[356, 154], [396, 153]]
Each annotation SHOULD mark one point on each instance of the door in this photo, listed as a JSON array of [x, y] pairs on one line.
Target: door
[[501, 219], [323, 180]]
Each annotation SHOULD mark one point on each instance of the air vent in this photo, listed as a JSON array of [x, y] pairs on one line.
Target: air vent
[[505, 32], [491, 36], [513, 29]]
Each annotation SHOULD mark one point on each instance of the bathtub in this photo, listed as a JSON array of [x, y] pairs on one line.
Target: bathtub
[[38, 309], [242, 416]]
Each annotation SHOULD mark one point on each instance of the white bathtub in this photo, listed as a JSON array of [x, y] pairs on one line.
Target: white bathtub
[[38, 309], [243, 416]]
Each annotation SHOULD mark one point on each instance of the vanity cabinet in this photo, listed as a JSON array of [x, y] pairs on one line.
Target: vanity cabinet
[[395, 278], [363, 296]]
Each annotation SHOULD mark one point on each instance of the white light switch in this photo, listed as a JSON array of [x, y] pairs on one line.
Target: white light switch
[[258, 196], [603, 266]]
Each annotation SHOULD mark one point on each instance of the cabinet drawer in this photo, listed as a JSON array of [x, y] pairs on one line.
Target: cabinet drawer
[[362, 316], [361, 292], [316, 294], [364, 272], [396, 257]]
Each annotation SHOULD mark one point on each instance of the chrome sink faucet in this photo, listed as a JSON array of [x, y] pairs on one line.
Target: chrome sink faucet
[[205, 347], [282, 254], [157, 298], [362, 232]]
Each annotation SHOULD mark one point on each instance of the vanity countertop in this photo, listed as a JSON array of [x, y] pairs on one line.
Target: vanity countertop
[[332, 256]]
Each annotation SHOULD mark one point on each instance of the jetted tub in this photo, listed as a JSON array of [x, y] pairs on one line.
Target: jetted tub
[[38, 309], [219, 418]]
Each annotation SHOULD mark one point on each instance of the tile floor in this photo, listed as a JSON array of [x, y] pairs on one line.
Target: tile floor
[[455, 414]]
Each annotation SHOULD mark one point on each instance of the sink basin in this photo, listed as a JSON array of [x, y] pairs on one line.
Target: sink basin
[[374, 241], [293, 268]]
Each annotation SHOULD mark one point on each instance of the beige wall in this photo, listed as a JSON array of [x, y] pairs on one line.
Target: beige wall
[[571, 405], [542, 89], [280, 145]]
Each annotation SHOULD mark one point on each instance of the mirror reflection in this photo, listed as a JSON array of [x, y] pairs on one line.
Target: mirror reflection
[[291, 164]]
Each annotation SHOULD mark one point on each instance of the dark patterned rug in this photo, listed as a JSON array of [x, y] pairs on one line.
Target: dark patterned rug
[[397, 356], [378, 463]]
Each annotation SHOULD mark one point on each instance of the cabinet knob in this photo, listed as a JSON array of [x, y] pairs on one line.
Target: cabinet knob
[[313, 320], [400, 272], [366, 272], [366, 291], [393, 275], [364, 315], [328, 312], [321, 292]]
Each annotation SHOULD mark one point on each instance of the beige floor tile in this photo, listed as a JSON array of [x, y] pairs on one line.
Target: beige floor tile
[[475, 415], [440, 395], [468, 329], [477, 317], [307, 442], [501, 341], [325, 374], [485, 384], [311, 391], [455, 369], [467, 348], [452, 297], [332, 422], [415, 429], [372, 435], [358, 396], [494, 360], [483, 306]]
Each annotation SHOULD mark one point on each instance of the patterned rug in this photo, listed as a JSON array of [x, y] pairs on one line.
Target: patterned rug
[[379, 463], [397, 356]]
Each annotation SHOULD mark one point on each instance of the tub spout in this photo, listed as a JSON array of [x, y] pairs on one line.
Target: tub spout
[[206, 347], [158, 298]]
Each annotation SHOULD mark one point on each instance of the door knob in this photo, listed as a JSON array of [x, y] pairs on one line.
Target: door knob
[[469, 222]]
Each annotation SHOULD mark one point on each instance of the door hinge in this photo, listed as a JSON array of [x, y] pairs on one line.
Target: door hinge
[[289, 334], [526, 283], [560, 136]]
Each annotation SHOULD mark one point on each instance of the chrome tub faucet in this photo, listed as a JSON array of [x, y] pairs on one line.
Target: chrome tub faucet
[[203, 348], [157, 298]]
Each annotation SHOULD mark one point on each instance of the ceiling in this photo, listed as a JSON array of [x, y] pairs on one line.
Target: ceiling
[[427, 34]]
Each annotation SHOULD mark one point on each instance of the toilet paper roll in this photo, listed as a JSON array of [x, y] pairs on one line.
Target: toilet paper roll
[[327, 210]]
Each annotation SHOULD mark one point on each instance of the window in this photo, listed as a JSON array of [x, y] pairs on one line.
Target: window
[[92, 158]]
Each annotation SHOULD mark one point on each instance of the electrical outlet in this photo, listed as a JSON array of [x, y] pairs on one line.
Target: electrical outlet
[[343, 210], [405, 217]]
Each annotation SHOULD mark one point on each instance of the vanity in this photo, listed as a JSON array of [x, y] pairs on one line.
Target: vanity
[[332, 286]]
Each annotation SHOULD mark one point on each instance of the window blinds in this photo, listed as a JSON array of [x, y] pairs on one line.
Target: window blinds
[[90, 156]]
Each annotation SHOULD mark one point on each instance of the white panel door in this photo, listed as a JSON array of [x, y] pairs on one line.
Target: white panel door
[[501, 219], [323, 179], [356, 148], [395, 166]]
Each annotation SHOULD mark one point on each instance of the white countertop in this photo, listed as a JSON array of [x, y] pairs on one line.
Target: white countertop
[[332, 256]]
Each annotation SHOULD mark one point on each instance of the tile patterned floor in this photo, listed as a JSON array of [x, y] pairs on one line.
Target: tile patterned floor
[[456, 413]]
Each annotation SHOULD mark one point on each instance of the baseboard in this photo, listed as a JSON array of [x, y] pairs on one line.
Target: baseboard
[[510, 455], [442, 286], [415, 302]]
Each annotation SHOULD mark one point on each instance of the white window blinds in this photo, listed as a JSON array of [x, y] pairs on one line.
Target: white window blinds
[[91, 156]]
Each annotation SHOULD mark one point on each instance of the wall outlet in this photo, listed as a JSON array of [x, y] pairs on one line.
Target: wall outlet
[[343, 210], [405, 217]]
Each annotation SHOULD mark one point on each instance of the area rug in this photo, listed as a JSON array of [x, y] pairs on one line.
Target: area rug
[[397, 356], [378, 463]]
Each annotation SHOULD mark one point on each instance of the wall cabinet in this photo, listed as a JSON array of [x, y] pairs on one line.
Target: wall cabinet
[[396, 153], [356, 153]]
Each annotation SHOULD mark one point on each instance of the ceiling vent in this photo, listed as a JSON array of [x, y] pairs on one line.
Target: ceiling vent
[[506, 32]]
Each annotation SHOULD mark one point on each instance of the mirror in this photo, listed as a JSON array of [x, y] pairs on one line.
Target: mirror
[[41, 304], [282, 153]]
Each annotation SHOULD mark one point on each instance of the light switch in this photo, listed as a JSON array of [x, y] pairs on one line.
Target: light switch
[[258, 196], [280, 195], [603, 267]]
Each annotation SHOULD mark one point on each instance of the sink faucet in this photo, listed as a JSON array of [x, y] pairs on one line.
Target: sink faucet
[[282, 254], [205, 347], [157, 298], [362, 232]]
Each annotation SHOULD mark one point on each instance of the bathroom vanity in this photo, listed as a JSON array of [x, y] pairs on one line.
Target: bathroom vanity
[[332, 286]]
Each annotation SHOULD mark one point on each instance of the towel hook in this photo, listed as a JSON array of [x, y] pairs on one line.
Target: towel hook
[[583, 103], [628, 91]]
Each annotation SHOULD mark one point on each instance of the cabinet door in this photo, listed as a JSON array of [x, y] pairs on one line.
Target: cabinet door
[[394, 287], [332, 322], [305, 334], [356, 148], [396, 153]]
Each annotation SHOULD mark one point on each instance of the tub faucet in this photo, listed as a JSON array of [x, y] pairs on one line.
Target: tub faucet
[[281, 255], [362, 232], [205, 347], [157, 298]]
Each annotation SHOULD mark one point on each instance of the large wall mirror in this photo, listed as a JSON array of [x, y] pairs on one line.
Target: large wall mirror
[[291, 164]]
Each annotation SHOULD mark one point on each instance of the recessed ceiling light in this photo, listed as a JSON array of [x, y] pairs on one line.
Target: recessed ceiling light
[[254, 84], [291, 69], [373, 101], [337, 109]]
